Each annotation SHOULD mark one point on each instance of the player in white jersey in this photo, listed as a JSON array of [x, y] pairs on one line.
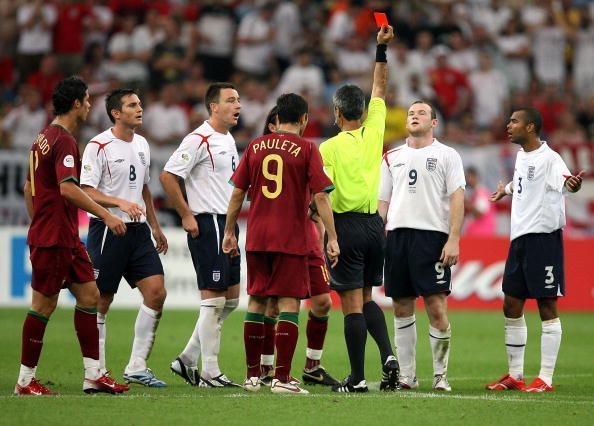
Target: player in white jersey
[[534, 267], [205, 160], [421, 199], [115, 174]]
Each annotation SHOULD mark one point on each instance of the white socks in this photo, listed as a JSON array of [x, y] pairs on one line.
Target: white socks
[[405, 339], [549, 348], [91, 368], [25, 375], [516, 334], [146, 325], [315, 354], [209, 331], [230, 306], [440, 348], [267, 359], [101, 319]]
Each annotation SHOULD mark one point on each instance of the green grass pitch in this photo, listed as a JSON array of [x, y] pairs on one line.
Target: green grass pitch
[[477, 357]]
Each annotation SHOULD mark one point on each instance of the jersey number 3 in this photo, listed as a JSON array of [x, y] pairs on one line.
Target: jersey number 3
[[277, 177]]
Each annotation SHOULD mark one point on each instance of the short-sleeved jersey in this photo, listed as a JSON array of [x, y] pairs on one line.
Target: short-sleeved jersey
[[538, 205], [352, 160], [418, 183], [278, 170], [206, 160], [54, 158], [117, 168]]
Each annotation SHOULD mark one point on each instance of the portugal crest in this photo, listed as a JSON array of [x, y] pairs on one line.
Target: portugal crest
[[431, 164]]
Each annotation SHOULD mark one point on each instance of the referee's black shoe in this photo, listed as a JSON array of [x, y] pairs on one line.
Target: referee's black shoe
[[348, 387], [319, 376], [390, 373]]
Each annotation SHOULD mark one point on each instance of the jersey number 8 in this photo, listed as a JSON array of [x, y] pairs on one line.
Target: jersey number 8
[[277, 177]]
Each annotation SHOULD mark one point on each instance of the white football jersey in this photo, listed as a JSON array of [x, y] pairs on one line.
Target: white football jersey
[[206, 160], [418, 183], [538, 205], [117, 168]]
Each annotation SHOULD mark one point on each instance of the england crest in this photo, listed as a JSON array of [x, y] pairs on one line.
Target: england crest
[[431, 164], [531, 170], [216, 276], [142, 158]]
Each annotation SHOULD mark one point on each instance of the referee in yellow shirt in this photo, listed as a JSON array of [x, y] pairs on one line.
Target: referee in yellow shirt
[[352, 159]]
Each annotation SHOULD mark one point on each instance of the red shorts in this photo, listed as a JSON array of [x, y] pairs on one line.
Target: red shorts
[[54, 268], [319, 277], [272, 274]]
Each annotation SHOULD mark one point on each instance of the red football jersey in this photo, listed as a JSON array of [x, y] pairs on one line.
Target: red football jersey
[[54, 158], [278, 171]]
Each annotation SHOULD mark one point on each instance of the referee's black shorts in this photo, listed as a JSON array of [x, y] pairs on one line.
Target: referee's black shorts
[[362, 244]]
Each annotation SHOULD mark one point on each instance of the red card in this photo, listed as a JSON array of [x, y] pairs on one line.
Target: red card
[[380, 19]]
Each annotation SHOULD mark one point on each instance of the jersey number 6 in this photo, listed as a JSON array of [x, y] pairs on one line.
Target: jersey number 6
[[277, 177]]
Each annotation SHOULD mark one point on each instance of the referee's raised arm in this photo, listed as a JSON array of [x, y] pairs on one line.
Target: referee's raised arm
[[380, 72]]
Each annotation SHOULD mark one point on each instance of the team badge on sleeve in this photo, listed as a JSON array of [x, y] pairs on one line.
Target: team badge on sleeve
[[69, 161], [431, 164], [185, 157], [142, 158]]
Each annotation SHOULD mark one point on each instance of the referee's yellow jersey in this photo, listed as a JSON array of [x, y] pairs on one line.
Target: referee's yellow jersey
[[352, 160]]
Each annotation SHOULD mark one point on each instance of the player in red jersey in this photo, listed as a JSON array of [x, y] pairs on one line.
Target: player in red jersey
[[319, 296], [277, 171], [58, 257]]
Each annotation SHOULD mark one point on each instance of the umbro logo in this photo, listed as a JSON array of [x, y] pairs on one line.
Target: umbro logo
[[441, 282], [549, 286], [120, 160], [399, 165]]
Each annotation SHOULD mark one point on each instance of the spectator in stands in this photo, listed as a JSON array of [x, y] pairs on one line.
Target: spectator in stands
[[514, 45], [302, 76], [46, 78], [170, 58], [586, 117], [69, 35], [479, 211], [36, 23], [123, 63], [24, 122], [286, 42], [165, 121], [583, 57], [146, 36], [451, 87], [99, 23], [462, 56], [215, 33], [569, 131], [253, 54], [549, 53], [490, 93], [550, 105]]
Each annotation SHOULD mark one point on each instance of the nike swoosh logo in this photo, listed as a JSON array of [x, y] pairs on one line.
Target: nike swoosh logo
[[319, 378]]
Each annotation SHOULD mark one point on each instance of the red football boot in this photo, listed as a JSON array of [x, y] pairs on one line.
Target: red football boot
[[538, 385], [507, 382], [35, 387], [104, 384]]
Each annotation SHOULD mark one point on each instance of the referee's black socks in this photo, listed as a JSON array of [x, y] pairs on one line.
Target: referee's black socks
[[355, 335], [376, 325]]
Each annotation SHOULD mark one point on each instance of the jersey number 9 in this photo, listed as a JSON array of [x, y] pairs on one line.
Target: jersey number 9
[[277, 177]]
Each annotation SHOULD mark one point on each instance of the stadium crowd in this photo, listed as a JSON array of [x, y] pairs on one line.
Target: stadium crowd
[[475, 59]]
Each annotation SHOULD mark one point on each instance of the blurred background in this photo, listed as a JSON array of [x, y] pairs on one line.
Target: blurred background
[[475, 60]]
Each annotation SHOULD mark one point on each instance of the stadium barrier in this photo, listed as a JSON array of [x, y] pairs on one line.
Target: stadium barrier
[[476, 280]]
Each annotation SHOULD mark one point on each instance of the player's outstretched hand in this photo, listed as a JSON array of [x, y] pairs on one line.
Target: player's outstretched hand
[[499, 194], [574, 183], [161, 241], [333, 252], [385, 34], [450, 253], [132, 209], [230, 245], [116, 225], [190, 225]]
